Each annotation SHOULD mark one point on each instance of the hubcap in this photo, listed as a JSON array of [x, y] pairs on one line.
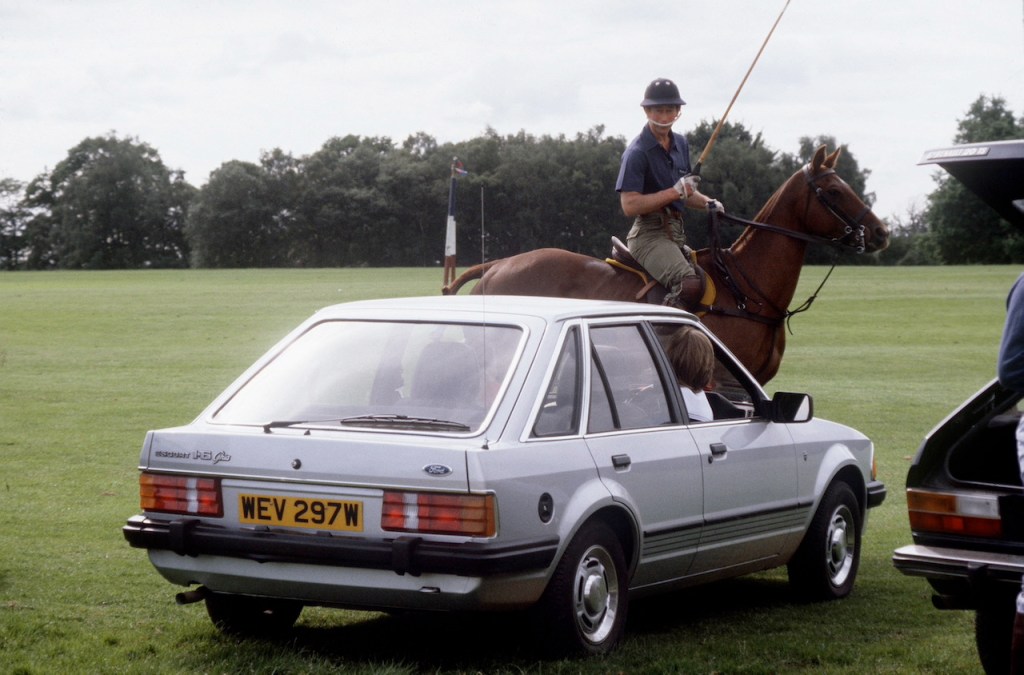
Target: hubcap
[[841, 544], [596, 594]]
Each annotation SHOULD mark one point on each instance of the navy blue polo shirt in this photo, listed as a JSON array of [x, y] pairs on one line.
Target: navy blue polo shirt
[[1011, 349], [647, 168]]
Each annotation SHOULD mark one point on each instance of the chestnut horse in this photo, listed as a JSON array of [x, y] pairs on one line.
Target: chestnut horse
[[755, 278]]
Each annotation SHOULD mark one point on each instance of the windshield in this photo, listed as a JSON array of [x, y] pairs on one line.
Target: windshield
[[375, 374]]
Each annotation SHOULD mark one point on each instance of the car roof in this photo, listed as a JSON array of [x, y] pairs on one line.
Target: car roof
[[479, 307], [994, 171]]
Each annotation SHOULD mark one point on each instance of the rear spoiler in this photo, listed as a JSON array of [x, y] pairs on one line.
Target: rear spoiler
[[993, 171]]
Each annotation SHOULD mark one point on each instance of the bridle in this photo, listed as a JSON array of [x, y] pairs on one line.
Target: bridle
[[853, 227], [853, 238]]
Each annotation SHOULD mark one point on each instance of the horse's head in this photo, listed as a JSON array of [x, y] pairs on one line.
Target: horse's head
[[834, 211]]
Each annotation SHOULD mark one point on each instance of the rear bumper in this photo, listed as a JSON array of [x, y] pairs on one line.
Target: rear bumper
[[404, 555], [957, 564], [965, 577]]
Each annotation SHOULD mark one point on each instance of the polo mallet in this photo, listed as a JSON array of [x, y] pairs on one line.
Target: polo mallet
[[714, 134]]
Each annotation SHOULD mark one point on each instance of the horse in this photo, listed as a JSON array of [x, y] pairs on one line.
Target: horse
[[755, 278]]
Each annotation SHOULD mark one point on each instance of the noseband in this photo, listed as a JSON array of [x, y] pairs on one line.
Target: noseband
[[853, 228]]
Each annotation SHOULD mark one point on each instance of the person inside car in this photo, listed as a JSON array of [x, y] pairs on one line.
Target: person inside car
[[693, 359]]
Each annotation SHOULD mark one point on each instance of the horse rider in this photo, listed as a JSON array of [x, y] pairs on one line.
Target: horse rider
[[654, 184]]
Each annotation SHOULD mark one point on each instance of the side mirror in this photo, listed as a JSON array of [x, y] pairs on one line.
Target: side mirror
[[789, 407]]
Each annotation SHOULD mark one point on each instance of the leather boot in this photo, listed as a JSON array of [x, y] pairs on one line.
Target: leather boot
[[689, 292], [1017, 646]]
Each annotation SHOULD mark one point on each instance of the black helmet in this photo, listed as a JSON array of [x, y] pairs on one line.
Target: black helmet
[[662, 92]]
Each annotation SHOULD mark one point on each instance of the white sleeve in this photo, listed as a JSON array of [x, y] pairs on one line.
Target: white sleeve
[[698, 408]]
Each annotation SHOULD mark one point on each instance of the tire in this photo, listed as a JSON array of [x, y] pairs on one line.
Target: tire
[[993, 630], [245, 615], [825, 565], [583, 610]]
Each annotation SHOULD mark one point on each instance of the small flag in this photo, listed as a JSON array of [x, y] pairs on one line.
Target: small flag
[[449, 240]]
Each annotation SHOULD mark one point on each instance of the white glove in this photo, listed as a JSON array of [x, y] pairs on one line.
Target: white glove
[[687, 185], [715, 205]]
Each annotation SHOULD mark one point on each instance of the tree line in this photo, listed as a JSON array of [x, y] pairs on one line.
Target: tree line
[[368, 201]]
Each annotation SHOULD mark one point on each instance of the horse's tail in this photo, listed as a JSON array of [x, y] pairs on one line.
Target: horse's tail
[[474, 272]]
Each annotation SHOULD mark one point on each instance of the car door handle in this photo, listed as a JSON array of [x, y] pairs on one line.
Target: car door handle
[[621, 461], [717, 450]]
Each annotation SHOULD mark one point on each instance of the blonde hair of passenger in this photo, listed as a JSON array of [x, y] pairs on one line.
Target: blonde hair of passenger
[[693, 357]]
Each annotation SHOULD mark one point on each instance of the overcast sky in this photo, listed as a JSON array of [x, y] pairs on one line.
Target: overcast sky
[[213, 81]]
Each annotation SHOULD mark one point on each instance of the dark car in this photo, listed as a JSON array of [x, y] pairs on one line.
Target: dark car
[[964, 492]]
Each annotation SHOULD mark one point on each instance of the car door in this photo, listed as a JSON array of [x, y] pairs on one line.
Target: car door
[[749, 469], [643, 453]]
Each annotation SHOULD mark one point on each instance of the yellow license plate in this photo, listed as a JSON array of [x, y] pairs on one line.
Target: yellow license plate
[[286, 511]]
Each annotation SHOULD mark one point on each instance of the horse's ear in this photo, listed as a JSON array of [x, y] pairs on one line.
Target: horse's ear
[[819, 159], [830, 161]]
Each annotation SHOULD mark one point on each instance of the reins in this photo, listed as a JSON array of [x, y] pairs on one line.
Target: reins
[[853, 238], [853, 227]]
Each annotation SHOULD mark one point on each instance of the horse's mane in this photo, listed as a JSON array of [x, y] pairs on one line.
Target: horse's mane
[[765, 213], [769, 206]]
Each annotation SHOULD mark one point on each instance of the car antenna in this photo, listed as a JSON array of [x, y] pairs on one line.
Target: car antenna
[[483, 234], [483, 303]]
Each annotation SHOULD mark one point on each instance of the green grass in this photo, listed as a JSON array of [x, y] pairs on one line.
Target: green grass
[[90, 361]]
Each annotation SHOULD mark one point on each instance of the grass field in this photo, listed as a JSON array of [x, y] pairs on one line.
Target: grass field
[[90, 361]]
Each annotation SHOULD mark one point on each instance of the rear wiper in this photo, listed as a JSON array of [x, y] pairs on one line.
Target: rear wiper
[[395, 421], [404, 421]]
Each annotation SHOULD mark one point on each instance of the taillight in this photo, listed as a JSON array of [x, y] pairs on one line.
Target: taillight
[[188, 495], [437, 513], [960, 514]]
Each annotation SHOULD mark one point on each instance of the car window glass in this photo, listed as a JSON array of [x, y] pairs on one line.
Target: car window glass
[[345, 369], [626, 390], [560, 411], [731, 394]]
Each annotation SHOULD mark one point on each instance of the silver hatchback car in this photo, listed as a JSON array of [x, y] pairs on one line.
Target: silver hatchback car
[[494, 453]]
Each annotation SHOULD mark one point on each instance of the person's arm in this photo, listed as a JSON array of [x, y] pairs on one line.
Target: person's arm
[[1010, 366], [637, 204], [699, 200]]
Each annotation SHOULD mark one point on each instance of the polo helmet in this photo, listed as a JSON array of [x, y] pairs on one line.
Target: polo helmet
[[662, 92]]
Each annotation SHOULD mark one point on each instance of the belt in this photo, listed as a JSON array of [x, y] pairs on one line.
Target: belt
[[662, 217]]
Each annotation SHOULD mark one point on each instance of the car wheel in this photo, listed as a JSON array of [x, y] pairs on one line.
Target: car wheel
[[250, 616], [825, 565], [583, 609], [993, 630]]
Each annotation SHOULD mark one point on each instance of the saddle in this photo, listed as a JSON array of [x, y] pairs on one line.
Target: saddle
[[652, 291]]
